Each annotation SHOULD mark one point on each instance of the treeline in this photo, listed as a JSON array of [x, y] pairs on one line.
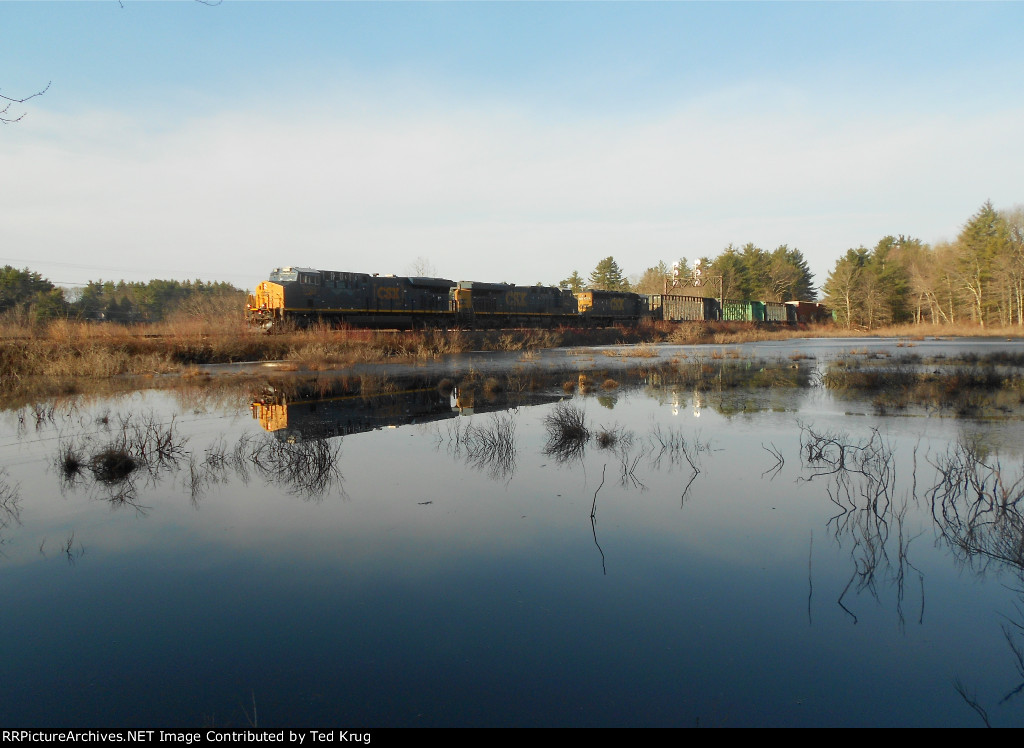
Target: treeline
[[746, 272], [26, 297], [977, 278]]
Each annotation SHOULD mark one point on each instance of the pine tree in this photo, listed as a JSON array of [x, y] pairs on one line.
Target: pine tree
[[982, 240], [574, 282], [607, 276]]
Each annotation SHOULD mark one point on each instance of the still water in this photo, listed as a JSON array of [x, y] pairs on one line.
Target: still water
[[400, 550]]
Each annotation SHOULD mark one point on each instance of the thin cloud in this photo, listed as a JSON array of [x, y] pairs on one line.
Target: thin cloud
[[495, 192]]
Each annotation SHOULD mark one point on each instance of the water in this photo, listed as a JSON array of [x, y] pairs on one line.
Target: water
[[446, 562]]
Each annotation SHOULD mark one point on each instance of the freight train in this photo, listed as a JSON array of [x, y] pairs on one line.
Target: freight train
[[302, 296]]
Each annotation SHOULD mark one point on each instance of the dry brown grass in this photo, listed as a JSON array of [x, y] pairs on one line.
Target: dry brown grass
[[640, 350], [65, 354]]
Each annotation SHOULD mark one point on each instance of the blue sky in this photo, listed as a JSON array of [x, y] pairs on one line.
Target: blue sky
[[500, 141]]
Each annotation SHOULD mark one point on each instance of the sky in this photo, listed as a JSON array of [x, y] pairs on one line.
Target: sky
[[496, 141]]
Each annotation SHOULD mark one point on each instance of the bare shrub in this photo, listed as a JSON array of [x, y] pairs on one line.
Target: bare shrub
[[70, 463], [567, 432], [112, 465]]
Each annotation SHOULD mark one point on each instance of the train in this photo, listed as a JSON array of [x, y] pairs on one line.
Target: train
[[302, 296]]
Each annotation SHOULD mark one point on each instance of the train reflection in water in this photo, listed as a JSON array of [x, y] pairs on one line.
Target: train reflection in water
[[324, 410]]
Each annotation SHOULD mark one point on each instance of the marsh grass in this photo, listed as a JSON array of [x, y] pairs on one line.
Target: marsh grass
[[641, 350], [62, 355], [966, 385]]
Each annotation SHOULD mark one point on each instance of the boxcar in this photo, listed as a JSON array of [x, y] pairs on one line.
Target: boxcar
[[806, 312]]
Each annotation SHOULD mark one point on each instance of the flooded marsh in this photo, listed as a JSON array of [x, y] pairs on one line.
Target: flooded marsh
[[809, 533]]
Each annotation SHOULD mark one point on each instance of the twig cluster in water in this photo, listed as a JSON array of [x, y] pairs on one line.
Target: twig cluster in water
[[141, 443]]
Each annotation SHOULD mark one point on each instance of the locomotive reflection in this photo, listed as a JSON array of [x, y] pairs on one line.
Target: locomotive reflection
[[319, 411]]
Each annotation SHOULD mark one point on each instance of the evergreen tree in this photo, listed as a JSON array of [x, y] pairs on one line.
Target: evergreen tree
[[844, 287], [607, 276], [730, 266], [983, 239], [19, 288], [756, 276], [25, 292], [574, 282], [789, 276]]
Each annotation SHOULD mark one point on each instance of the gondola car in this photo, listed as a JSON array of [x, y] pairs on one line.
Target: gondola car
[[677, 308], [306, 295]]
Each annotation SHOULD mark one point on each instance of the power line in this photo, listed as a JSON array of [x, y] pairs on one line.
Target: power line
[[191, 275]]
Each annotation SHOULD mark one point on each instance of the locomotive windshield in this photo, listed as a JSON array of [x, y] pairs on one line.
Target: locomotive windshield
[[290, 274], [283, 275]]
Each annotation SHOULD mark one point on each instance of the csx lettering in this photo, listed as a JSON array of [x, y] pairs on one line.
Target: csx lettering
[[516, 298], [388, 293]]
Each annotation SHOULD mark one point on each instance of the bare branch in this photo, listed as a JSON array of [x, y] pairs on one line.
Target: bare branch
[[4, 118]]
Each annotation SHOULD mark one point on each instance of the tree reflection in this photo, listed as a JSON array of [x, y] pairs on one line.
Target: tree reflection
[[217, 465], [490, 447], [975, 505], [673, 446], [10, 503], [304, 468], [860, 479]]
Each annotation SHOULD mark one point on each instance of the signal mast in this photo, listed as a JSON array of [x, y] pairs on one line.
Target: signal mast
[[678, 280]]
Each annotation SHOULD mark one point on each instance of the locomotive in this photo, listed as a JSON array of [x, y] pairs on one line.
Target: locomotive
[[306, 295]]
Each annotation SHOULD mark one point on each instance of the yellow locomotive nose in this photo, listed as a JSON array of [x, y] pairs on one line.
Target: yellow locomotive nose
[[266, 304]]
